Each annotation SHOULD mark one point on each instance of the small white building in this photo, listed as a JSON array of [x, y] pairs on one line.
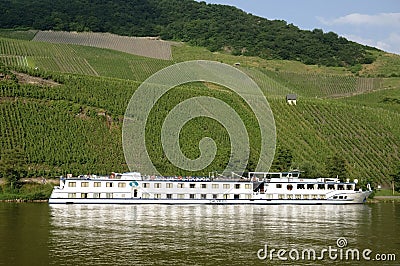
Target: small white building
[[291, 99]]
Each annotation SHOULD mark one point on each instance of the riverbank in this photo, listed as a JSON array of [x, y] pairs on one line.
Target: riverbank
[[384, 199]]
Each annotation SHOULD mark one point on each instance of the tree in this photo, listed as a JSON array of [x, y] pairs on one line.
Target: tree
[[12, 164], [283, 159], [336, 167], [396, 178]]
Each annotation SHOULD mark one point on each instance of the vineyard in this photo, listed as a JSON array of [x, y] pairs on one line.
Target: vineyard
[[132, 45], [76, 126]]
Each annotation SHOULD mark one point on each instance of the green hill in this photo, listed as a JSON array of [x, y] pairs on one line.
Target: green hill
[[73, 124]]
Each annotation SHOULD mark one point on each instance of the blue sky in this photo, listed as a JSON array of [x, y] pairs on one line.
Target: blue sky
[[371, 22]]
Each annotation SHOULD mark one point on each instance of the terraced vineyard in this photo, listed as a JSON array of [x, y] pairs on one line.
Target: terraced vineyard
[[76, 126], [132, 45]]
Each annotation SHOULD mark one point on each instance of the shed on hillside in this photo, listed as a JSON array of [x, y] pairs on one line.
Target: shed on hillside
[[291, 99]]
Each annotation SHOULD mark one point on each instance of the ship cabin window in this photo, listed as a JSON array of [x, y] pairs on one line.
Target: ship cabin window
[[215, 196], [109, 184], [203, 196], [331, 186], [281, 196], [192, 185], [71, 195], [297, 196], [310, 186], [146, 185], [236, 196], [181, 185], [314, 196], [289, 196], [226, 196], [121, 184], [278, 185], [72, 184], [146, 196], [85, 184], [340, 187], [181, 196], [247, 186], [169, 185], [192, 196], [340, 197], [349, 187], [97, 184], [227, 186], [321, 186], [321, 196], [169, 196], [122, 195], [301, 186], [109, 195], [84, 195], [157, 185], [335, 197], [157, 196], [203, 185], [306, 196], [215, 186], [135, 193], [96, 195], [237, 186], [289, 187]]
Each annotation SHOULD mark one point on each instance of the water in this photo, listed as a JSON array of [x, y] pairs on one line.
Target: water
[[39, 234]]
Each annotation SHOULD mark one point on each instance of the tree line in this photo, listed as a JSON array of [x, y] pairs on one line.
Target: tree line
[[217, 27]]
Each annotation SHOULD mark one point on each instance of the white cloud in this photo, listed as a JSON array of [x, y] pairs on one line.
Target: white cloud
[[382, 19], [390, 43]]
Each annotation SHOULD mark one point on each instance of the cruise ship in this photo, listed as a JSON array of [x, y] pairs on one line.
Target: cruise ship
[[260, 188]]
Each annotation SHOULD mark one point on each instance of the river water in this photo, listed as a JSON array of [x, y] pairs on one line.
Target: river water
[[39, 234]]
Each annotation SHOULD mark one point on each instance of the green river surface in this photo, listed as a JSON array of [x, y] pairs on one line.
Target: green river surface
[[42, 234]]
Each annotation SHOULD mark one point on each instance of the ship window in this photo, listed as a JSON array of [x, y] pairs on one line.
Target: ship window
[[157, 185], [215, 186], [109, 195], [321, 186], [97, 184], [84, 195], [345, 197], [310, 186], [226, 196], [248, 196], [306, 196], [349, 187], [181, 196], [85, 184], [203, 196], [314, 196], [322, 196], [289, 187], [191, 196], [146, 196], [227, 186], [215, 196], [203, 185], [334, 197], [340, 197], [169, 196], [331, 186], [135, 193], [298, 197], [96, 195], [340, 187], [236, 196], [237, 186], [71, 195], [157, 196], [289, 196], [72, 184], [192, 185], [247, 186], [300, 186], [109, 184], [278, 185], [120, 184], [281, 196], [169, 185], [181, 185], [146, 185]]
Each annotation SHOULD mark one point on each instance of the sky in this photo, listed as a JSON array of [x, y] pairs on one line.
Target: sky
[[370, 22]]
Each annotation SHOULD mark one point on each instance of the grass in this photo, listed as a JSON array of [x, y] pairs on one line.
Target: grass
[[27, 192], [386, 192]]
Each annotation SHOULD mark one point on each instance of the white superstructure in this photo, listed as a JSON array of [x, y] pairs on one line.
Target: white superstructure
[[256, 188]]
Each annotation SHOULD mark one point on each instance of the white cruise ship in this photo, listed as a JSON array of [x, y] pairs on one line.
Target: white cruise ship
[[255, 188]]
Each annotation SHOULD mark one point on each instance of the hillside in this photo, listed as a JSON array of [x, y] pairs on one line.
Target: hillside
[[217, 27], [76, 126]]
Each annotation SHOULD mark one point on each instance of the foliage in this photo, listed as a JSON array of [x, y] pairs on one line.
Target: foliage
[[217, 27], [396, 178], [283, 159], [336, 167], [12, 166]]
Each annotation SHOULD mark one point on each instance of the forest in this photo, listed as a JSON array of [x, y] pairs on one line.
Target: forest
[[217, 27]]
